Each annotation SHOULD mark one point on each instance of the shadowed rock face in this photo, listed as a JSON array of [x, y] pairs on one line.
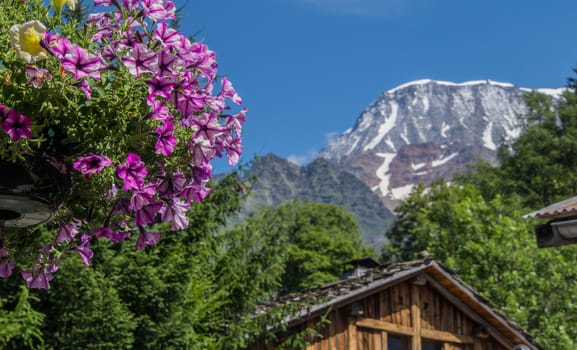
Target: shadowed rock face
[[279, 181], [426, 130]]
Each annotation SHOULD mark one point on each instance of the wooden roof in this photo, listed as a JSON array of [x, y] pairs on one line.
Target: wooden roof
[[319, 299]]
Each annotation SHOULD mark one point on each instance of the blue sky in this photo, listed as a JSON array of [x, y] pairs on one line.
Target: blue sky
[[306, 69]]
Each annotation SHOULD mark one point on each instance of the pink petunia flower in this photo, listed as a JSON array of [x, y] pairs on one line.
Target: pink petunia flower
[[83, 85], [110, 234], [84, 250], [16, 125], [228, 91], [91, 164], [166, 64], [82, 63], [159, 110], [140, 60], [7, 264], [166, 140], [159, 10], [168, 37], [144, 205], [170, 186], [146, 238], [6, 268], [206, 127], [66, 232], [175, 211], [37, 76], [132, 172], [195, 193], [234, 150], [37, 279], [102, 3], [130, 4]]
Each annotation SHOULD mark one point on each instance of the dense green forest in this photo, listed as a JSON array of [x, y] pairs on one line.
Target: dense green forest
[[476, 226], [194, 290]]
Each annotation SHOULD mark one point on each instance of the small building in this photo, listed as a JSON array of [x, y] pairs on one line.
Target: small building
[[359, 267], [561, 225], [416, 305]]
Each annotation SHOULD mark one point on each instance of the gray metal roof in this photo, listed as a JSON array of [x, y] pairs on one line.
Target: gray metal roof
[[562, 209]]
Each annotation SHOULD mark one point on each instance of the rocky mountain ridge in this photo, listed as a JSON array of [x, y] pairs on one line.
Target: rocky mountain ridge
[[425, 130], [279, 181]]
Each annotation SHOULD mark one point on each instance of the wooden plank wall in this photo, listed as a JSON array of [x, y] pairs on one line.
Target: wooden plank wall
[[393, 310], [438, 313], [335, 334], [396, 305]]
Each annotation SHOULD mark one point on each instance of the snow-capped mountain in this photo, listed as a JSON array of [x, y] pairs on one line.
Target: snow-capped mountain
[[425, 130]]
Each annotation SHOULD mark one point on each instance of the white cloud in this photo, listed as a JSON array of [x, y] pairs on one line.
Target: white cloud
[[312, 154], [298, 160], [302, 159], [331, 136]]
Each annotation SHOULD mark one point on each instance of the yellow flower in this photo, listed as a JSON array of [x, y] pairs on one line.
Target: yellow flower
[[59, 3], [26, 39]]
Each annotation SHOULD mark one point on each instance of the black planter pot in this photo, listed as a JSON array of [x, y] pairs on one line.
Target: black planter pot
[[31, 191]]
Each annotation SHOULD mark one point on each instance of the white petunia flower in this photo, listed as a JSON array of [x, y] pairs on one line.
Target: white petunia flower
[[26, 39]]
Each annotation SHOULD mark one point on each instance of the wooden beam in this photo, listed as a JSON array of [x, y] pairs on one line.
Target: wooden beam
[[478, 344], [352, 334], [416, 316], [372, 323], [446, 336], [481, 313], [385, 340], [409, 331]]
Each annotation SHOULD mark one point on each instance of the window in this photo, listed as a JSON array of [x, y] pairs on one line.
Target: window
[[397, 342], [429, 345]]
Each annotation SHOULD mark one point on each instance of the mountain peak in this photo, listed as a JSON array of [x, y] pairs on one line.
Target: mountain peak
[[447, 83], [427, 129]]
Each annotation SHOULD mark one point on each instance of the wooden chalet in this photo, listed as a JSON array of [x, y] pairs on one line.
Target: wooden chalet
[[417, 305]]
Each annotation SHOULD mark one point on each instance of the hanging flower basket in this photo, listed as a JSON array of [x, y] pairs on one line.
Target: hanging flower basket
[[31, 191], [139, 115]]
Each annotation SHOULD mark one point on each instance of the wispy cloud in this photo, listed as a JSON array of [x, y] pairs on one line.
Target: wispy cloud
[[363, 8], [298, 160], [331, 136], [304, 159]]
